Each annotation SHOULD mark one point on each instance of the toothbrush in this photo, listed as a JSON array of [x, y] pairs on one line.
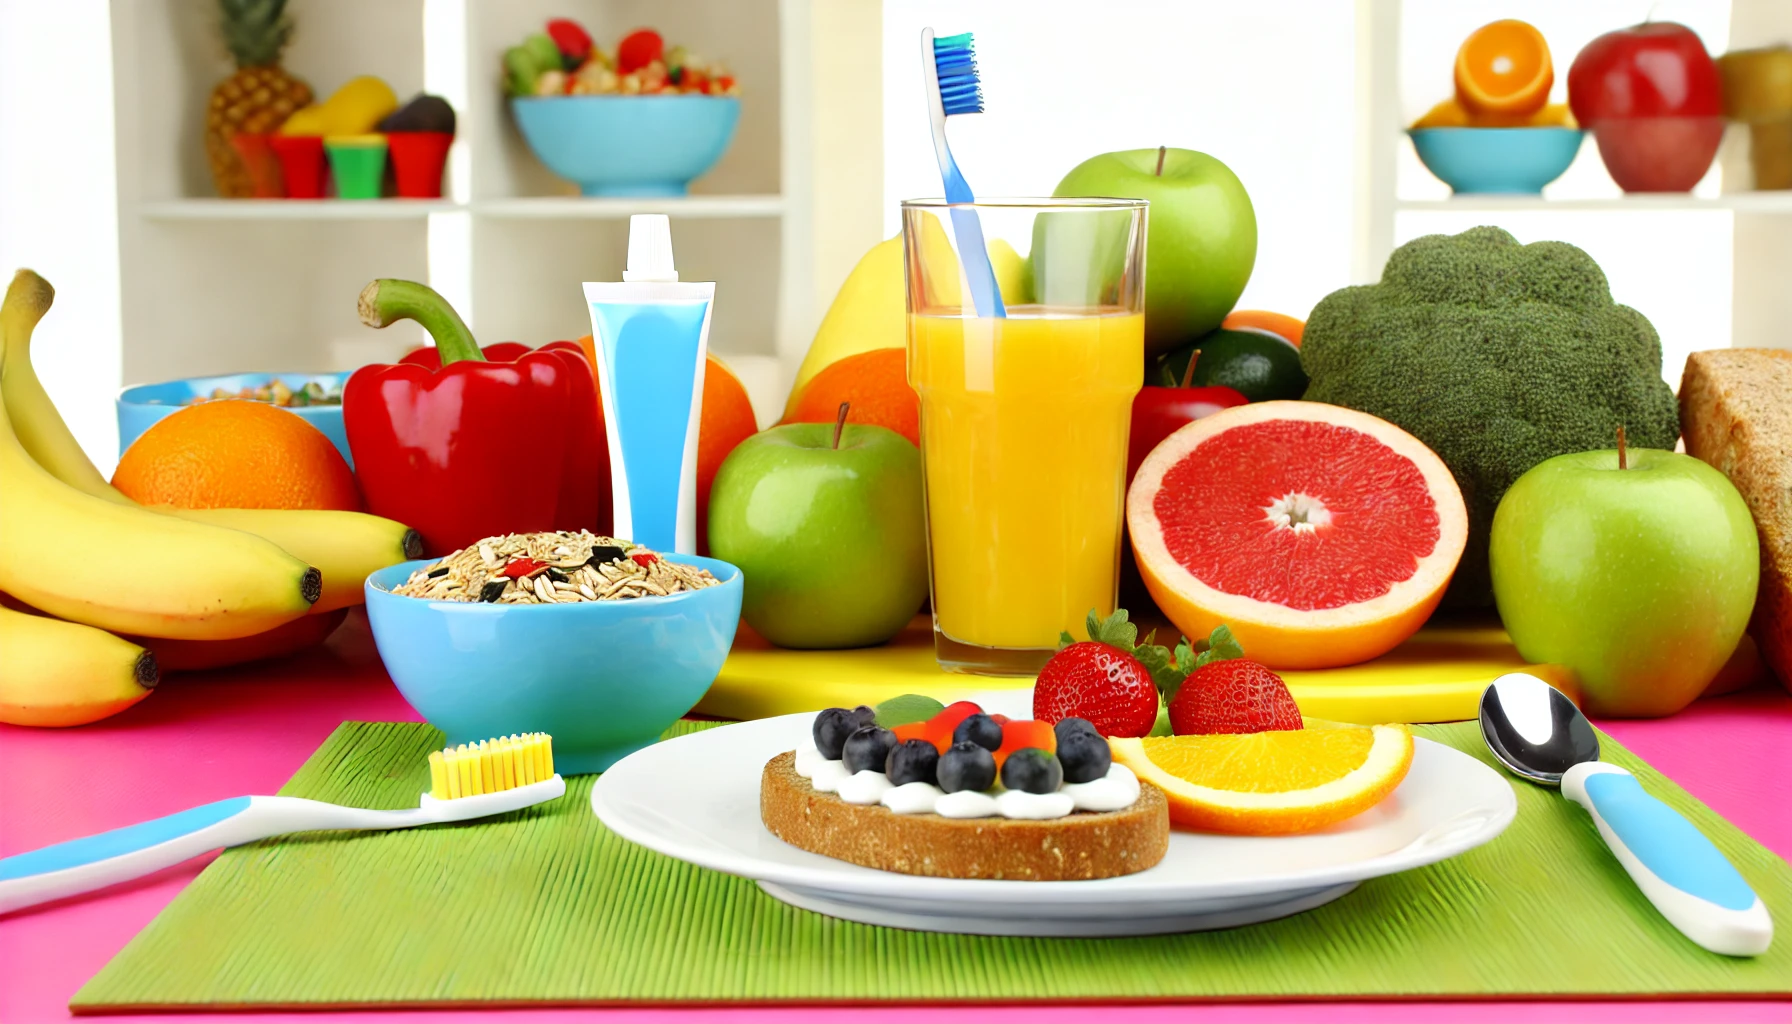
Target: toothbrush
[[466, 782], [949, 66]]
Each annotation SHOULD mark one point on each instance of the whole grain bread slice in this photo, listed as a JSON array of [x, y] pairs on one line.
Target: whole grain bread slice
[[1080, 846], [1736, 414]]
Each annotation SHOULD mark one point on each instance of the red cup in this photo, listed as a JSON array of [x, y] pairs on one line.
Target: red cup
[[302, 159], [417, 161], [259, 159]]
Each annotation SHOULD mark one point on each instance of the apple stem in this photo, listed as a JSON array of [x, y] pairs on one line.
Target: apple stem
[[840, 423], [1188, 373], [1161, 150], [1623, 463]]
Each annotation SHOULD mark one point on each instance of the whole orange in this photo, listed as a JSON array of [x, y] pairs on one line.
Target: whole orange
[[727, 421], [875, 382], [236, 454]]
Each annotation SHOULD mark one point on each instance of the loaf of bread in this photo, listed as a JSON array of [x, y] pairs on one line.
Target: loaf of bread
[[1736, 414], [1080, 846]]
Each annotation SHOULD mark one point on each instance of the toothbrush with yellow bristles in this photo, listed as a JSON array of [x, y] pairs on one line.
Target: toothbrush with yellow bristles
[[472, 780]]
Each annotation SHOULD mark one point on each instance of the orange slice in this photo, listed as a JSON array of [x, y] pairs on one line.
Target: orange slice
[[1504, 68], [1271, 783]]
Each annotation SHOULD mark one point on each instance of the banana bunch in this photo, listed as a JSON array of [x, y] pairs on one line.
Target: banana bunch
[[76, 548]]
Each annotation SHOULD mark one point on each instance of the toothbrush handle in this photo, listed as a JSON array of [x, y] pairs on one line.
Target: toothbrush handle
[[1672, 862], [96, 861], [980, 276]]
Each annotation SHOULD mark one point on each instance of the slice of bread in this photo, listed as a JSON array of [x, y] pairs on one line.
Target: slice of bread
[[1736, 414], [1080, 846]]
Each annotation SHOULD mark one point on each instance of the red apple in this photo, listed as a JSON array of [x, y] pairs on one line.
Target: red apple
[[1651, 96], [1159, 412]]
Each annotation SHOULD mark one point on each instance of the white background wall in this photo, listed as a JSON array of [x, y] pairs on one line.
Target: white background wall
[[59, 201], [1268, 87]]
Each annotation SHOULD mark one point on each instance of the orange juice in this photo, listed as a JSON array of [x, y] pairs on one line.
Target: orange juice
[[1023, 438]]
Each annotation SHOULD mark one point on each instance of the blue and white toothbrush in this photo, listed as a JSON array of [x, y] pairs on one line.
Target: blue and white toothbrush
[[1538, 734], [474, 780], [949, 66]]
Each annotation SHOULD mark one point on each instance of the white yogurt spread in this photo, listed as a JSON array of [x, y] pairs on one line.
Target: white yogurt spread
[[1113, 791]]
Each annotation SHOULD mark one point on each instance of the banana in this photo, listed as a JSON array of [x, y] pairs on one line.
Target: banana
[[129, 570], [63, 673], [344, 546]]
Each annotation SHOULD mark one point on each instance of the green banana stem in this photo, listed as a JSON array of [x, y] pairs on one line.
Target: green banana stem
[[388, 300]]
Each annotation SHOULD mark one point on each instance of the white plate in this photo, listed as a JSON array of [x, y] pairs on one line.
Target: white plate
[[697, 798]]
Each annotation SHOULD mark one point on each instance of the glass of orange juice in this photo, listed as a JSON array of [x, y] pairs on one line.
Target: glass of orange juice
[[1023, 415]]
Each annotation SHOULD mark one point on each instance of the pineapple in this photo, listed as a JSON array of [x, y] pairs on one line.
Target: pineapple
[[259, 97]]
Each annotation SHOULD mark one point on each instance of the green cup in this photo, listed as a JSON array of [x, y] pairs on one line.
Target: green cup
[[358, 163]]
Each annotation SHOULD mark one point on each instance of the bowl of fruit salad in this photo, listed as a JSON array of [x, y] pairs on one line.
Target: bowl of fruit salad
[[314, 397], [643, 121]]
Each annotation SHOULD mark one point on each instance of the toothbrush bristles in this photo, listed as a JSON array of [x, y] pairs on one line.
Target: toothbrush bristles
[[955, 58]]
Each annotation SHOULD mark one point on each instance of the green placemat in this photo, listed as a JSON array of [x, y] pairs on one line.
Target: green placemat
[[545, 905]]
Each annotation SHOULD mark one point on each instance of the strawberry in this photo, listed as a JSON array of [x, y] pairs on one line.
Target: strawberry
[[939, 728], [1099, 679], [1234, 695]]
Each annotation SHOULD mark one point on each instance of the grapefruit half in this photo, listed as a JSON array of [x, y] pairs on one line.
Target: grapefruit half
[[1321, 535]]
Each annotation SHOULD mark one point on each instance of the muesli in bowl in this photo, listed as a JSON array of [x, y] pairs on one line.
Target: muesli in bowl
[[553, 568]]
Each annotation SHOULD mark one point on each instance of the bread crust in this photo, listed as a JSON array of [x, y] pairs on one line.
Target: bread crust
[[1736, 414], [1081, 846]]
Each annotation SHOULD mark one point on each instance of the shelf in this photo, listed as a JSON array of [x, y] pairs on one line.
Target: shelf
[[294, 209], [530, 208], [1741, 202], [561, 207]]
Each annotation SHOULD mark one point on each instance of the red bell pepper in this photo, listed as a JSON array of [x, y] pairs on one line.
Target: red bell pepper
[[585, 481], [474, 446]]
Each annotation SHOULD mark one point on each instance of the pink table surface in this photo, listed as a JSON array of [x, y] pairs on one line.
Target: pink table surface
[[207, 736]]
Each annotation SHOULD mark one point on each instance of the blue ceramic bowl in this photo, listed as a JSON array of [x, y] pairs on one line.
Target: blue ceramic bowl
[[140, 408], [1510, 160], [628, 145], [603, 678]]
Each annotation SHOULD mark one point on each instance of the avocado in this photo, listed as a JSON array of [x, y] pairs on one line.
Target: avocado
[[424, 113]]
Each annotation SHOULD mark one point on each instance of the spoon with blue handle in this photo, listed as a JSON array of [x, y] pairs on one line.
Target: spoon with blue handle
[[1538, 734]]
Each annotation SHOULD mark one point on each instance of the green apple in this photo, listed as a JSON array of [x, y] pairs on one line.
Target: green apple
[[831, 541], [1638, 579], [1200, 241]]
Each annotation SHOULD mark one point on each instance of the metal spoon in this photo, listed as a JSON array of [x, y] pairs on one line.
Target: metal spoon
[[1538, 734]]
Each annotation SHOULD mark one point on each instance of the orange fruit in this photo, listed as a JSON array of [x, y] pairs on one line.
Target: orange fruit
[[1321, 535], [875, 382], [236, 454], [727, 421], [1271, 783], [1281, 325], [1503, 68]]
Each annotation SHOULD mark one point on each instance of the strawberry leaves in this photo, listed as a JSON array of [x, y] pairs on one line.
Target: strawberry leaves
[[1168, 668]]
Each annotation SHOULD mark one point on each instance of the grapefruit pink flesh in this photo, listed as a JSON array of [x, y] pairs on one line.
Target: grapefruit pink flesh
[[1321, 535]]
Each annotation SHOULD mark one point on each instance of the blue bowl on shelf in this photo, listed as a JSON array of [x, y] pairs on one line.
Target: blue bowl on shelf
[[628, 145], [141, 407], [603, 678], [1513, 161]]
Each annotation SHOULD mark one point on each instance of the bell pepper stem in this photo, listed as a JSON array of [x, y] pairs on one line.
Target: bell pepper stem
[[388, 300]]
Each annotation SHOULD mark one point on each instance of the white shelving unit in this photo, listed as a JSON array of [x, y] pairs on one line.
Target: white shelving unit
[[210, 285], [1761, 258]]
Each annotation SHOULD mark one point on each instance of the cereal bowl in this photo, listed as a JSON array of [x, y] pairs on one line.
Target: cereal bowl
[[603, 678]]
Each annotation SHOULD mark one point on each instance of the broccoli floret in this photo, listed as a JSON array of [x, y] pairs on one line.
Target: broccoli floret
[[1496, 355]]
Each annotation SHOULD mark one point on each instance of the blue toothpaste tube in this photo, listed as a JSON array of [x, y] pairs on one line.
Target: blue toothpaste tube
[[652, 339]]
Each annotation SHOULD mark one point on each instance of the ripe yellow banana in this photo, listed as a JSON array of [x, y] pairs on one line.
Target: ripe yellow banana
[[344, 546], [130, 570], [63, 673]]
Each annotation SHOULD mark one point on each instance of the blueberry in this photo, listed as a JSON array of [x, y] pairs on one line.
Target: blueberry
[[912, 761], [1067, 726], [1032, 770], [868, 749], [835, 724], [1085, 756], [979, 729], [966, 766]]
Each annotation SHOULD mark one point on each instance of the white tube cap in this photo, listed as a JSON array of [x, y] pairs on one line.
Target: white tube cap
[[650, 248]]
